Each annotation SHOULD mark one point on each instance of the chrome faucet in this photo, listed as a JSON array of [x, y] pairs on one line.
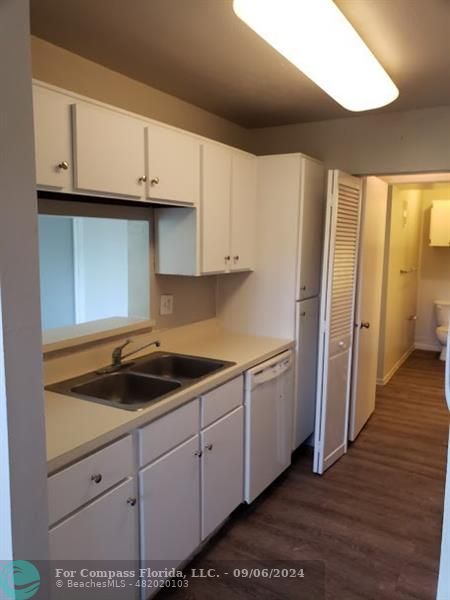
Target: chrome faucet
[[118, 357]]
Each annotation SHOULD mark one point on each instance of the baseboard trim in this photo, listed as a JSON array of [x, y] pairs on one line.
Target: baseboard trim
[[429, 347], [396, 367]]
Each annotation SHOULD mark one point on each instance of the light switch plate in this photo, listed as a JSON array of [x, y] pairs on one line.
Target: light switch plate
[[166, 304]]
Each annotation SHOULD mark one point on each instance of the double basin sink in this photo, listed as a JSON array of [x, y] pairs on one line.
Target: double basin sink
[[142, 382]]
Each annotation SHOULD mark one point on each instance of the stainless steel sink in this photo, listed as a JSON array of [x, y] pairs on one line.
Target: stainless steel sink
[[177, 366], [142, 382]]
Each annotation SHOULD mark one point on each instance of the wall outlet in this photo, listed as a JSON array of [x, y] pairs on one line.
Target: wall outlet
[[166, 304]]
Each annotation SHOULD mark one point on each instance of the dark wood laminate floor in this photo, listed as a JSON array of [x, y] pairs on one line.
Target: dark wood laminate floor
[[374, 518]]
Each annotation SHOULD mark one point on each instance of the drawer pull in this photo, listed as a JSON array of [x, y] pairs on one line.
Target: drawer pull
[[97, 478], [131, 501]]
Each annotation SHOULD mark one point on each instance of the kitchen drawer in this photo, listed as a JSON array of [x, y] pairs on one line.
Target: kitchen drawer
[[81, 482], [169, 431], [222, 400]]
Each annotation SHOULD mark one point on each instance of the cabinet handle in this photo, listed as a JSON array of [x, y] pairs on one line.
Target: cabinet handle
[[209, 447], [198, 453], [154, 181], [96, 478], [131, 501], [64, 165], [142, 179], [412, 318]]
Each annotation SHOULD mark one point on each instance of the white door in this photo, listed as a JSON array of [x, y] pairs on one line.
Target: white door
[[312, 212], [52, 138], [243, 212], [306, 369], [173, 165], [336, 318], [444, 571], [215, 202], [108, 151], [368, 303], [170, 506], [223, 469]]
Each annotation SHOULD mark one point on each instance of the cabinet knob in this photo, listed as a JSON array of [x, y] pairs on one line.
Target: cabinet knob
[[236, 258], [142, 179], [132, 501], [154, 181], [227, 258], [209, 447], [365, 325], [64, 165], [341, 344], [97, 478], [303, 288], [303, 314], [198, 453]]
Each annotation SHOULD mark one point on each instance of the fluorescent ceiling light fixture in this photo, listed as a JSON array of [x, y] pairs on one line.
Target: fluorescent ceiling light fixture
[[316, 37]]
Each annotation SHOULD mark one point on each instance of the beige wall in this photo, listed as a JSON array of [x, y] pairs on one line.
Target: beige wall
[[434, 274], [65, 69], [396, 142], [400, 290]]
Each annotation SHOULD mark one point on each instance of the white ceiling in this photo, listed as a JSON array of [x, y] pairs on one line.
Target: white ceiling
[[200, 51]]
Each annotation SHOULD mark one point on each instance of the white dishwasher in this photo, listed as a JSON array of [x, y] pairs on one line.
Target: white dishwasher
[[269, 398]]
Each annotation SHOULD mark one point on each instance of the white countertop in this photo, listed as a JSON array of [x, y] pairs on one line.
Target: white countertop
[[76, 427]]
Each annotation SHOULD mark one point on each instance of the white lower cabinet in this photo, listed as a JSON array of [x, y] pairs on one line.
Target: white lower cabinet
[[169, 492], [99, 534], [222, 469]]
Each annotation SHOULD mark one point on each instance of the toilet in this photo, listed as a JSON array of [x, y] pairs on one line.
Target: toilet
[[442, 309]]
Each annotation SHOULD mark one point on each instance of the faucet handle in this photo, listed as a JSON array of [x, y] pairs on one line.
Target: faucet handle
[[117, 352]]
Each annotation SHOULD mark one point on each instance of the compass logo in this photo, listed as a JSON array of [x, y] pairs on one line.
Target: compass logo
[[19, 580]]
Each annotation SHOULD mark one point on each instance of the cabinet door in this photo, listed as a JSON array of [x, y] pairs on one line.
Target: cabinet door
[[106, 529], [440, 223], [243, 212], [170, 506], [312, 214], [223, 469], [306, 372], [108, 151], [52, 138], [173, 165], [215, 207]]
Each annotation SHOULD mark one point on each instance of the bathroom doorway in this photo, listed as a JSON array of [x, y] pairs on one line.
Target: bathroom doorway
[[415, 305]]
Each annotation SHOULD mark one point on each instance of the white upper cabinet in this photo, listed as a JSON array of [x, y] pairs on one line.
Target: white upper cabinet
[[243, 212], [440, 223], [53, 139], [215, 209], [312, 210], [108, 152], [173, 165]]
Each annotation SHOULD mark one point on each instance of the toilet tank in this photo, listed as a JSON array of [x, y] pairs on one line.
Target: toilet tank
[[442, 308]]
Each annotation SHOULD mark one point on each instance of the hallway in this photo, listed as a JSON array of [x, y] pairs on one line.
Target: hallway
[[374, 518]]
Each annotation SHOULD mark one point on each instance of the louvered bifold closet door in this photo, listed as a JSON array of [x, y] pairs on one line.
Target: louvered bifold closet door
[[337, 318]]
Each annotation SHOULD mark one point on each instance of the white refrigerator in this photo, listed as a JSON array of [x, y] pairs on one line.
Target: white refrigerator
[[444, 572]]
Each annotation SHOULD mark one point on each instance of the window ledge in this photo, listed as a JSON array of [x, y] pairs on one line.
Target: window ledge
[[85, 333]]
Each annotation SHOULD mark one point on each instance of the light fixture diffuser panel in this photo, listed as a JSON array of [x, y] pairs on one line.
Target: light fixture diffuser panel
[[316, 37]]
